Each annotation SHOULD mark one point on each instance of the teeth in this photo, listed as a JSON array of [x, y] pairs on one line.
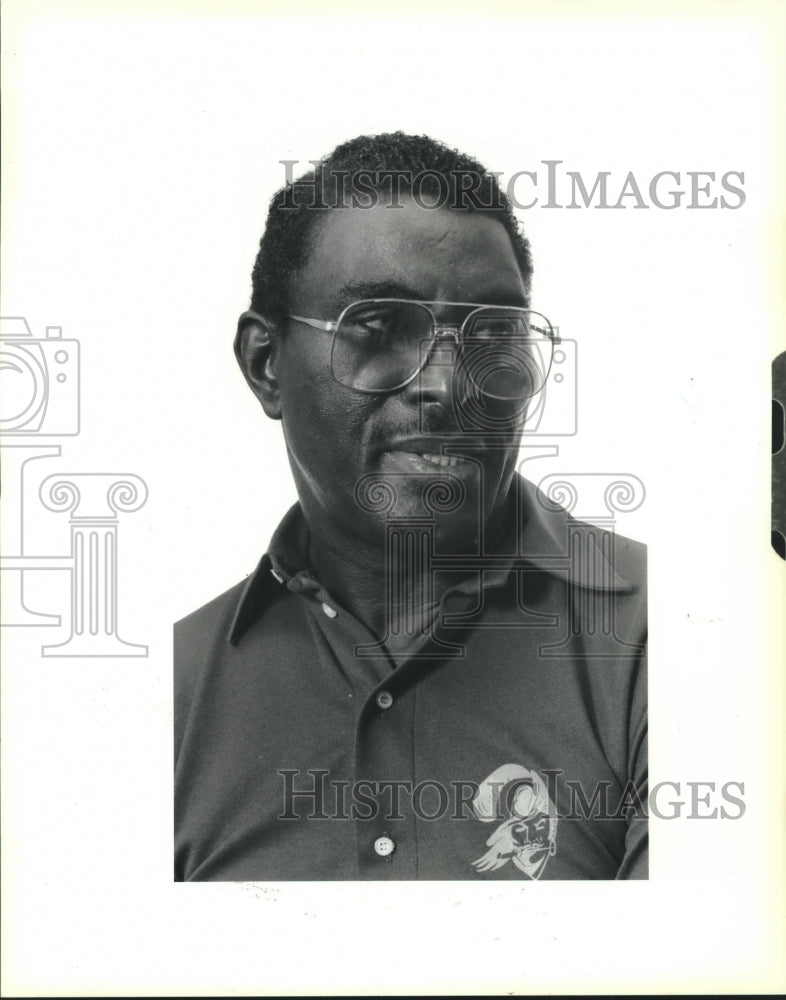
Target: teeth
[[443, 460]]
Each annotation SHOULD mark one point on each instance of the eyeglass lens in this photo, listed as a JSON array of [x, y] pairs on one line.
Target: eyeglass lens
[[505, 352]]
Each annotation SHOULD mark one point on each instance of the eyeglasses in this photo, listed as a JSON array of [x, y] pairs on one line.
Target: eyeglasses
[[381, 345]]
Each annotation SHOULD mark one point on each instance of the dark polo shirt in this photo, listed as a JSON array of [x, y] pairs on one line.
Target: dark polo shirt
[[509, 742]]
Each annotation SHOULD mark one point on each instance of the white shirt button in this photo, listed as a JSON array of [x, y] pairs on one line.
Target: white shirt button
[[384, 699], [384, 846]]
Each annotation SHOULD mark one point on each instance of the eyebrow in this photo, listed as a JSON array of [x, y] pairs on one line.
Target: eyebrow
[[506, 297], [353, 291]]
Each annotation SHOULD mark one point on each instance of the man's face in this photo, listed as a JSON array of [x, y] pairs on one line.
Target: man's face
[[337, 437]]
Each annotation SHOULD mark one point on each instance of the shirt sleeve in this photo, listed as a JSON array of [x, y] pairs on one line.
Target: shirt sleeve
[[635, 863]]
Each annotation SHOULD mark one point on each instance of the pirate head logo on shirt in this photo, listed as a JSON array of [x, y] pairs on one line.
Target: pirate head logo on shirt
[[527, 834]]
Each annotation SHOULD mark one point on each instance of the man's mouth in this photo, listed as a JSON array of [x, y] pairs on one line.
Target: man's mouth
[[413, 457], [443, 460], [443, 454]]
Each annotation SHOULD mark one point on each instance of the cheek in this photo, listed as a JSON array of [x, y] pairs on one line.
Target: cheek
[[303, 369], [306, 390], [325, 425]]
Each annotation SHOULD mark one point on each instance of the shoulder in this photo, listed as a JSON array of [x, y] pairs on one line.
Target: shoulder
[[200, 628], [630, 558], [604, 558], [626, 555], [551, 535], [615, 566], [197, 639]]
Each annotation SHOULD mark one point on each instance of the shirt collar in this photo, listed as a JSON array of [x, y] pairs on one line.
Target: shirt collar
[[553, 541], [543, 537]]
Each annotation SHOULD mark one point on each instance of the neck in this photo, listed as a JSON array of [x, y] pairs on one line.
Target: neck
[[392, 595], [390, 586]]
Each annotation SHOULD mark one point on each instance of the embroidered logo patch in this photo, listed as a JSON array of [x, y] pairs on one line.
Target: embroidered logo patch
[[527, 835]]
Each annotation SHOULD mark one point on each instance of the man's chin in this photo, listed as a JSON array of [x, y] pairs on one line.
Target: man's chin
[[408, 485], [415, 531], [442, 502]]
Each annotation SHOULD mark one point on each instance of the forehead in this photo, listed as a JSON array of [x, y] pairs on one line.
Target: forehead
[[433, 254]]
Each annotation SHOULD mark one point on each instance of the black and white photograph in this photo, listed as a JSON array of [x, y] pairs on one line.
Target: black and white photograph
[[433, 657], [388, 591]]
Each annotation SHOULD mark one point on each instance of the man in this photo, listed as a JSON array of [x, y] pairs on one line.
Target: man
[[434, 672]]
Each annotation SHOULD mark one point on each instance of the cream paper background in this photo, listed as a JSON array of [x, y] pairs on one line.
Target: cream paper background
[[141, 147]]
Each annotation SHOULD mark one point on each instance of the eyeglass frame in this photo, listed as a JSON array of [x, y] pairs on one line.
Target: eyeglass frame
[[438, 330]]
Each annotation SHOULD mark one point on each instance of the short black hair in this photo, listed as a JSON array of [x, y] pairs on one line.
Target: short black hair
[[421, 163]]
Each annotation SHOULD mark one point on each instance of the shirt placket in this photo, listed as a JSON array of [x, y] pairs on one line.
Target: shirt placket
[[388, 754], [378, 793], [379, 790]]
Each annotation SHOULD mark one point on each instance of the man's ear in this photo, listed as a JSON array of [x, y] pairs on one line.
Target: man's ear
[[256, 350]]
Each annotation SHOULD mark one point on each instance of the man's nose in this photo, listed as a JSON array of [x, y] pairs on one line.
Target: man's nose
[[434, 382]]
